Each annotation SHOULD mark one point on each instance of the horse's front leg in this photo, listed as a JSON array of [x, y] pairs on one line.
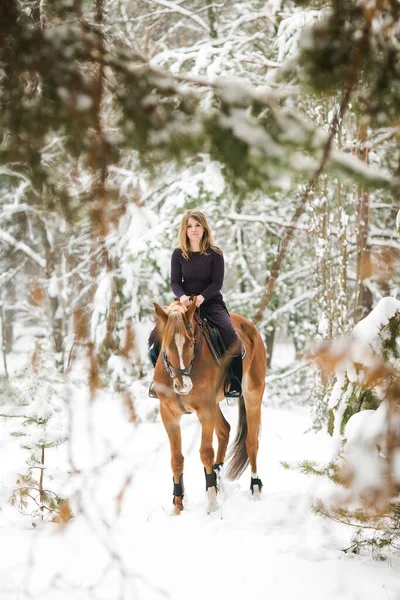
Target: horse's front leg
[[172, 426], [207, 420], [222, 429]]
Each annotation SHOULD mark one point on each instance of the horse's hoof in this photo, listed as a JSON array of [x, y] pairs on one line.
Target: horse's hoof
[[178, 506], [256, 495], [213, 504], [214, 510]]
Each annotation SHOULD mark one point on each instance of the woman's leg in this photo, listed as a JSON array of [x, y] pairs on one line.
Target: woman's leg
[[218, 317], [154, 351], [154, 346]]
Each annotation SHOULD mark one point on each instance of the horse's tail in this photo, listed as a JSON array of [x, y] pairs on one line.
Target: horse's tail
[[237, 457]]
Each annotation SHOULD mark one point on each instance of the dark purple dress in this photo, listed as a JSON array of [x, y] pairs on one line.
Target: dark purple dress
[[200, 274], [203, 274]]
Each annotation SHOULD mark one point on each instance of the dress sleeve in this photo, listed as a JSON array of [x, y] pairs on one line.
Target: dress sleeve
[[217, 276], [176, 275]]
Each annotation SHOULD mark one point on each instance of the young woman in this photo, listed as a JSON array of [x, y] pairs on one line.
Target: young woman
[[197, 269]]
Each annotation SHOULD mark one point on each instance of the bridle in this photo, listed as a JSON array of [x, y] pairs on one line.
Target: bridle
[[175, 372]]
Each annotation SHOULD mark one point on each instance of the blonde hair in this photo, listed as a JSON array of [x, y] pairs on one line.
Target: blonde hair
[[206, 241]]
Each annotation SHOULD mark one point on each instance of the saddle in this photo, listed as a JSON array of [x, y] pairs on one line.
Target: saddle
[[214, 339]]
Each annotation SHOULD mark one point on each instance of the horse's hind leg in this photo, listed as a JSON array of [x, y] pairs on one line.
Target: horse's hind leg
[[222, 430], [253, 413], [173, 429], [253, 395]]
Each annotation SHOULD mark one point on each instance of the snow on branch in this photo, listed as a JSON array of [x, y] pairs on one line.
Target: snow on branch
[[356, 168], [248, 18], [184, 12], [383, 136], [11, 173], [285, 373], [290, 305], [10, 273], [170, 116], [264, 220], [18, 245]]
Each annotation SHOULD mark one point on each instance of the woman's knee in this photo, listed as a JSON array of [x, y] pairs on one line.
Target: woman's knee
[[229, 336]]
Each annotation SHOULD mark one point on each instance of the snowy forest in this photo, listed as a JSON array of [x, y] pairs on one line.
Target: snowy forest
[[279, 120]]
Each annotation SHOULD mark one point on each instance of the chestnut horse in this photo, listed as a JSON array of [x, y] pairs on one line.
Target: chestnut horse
[[188, 378]]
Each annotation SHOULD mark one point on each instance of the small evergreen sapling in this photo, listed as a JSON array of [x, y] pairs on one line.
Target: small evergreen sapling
[[38, 410]]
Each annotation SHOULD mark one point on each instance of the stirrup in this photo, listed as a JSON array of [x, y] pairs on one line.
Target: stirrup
[[233, 393], [152, 391], [235, 390], [235, 387]]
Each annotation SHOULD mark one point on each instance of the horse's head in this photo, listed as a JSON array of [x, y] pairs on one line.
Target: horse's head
[[176, 327]]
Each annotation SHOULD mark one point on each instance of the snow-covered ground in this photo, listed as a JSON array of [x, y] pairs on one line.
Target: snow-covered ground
[[127, 545]]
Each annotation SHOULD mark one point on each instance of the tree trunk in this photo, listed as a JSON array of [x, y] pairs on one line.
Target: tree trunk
[[57, 315], [363, 296]]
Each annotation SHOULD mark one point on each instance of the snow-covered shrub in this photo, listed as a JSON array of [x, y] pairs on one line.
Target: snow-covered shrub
[[375, 338], [366, 410]]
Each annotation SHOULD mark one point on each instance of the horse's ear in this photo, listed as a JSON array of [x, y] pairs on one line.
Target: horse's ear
[[191, 309], [160, 313]]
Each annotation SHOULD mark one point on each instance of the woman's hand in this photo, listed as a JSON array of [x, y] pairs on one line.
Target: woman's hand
[[199, 300], [185, 300]]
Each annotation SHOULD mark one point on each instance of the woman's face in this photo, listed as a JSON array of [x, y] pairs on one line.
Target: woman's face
[[194, 230]]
